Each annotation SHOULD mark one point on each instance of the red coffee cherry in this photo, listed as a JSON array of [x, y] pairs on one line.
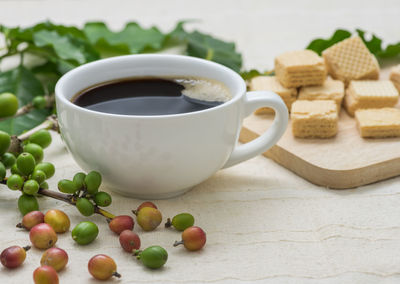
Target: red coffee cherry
[[102, 267], [55, 257], [121, 223], [43, 236], [129, 240], [144, 204], [58, 220], [193, 238], [45, 275], [31, 219], [13, 256]]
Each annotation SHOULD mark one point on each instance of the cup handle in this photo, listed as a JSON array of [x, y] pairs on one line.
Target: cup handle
[[253, 101]]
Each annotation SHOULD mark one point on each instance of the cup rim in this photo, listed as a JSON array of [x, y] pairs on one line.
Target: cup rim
[[236, 95]]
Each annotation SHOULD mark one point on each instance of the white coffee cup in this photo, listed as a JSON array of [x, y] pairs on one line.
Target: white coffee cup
[[161, 156]]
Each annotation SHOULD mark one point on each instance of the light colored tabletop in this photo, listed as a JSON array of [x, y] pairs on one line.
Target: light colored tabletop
[[264, 224]]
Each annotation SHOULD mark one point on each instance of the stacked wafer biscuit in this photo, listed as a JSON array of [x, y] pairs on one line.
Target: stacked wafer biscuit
[[349, 64]]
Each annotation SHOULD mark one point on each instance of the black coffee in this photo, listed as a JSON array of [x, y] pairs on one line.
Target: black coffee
[[152, 96]]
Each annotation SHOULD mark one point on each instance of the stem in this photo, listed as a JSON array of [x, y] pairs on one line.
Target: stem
[[178, 243], [116, 274], [168, 223], [26, 248], [70, 199]]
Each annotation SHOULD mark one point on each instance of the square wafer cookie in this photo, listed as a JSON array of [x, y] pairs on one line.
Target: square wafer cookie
[[395, 76], [370, 94], [314, 119], [350, 60], [378, 123], [330, 90], [300, 68], [271, 83]]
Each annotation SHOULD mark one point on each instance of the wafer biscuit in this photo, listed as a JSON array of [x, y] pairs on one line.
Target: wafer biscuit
[[370, 94], [314, 119], [271, 83], [330, 90], [300, 68], [350, 60], [395, 76], [378, 123]]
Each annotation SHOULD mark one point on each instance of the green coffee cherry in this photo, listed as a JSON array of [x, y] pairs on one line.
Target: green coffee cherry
[[35, 150], [85, 206], [67, 186], [14, 170], [85, 232], [153, 257], [39, 176], [92, 182], [8, 104], [5, 141], [102, 199], [39, 102], [47, 168], [2, 171], [79, 179], [181, 221], [31, 187], [27, 203], [8, 160], [26, 163], [41, 137], [44, 185], [15, 182]]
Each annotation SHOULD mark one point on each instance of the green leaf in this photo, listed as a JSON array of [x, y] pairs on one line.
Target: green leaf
[[132, 39], [22, 82], [319, 45], [248, 75], [374, 44], [207, 47], [63, 45]]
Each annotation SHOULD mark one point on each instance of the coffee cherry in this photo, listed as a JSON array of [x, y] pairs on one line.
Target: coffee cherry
[[2, 171], [153, 257], [129, 240], [44, 185], [27, 203], [31, 219], [5, 141], [193, 238], [67, 186], [149, 218], [85, 207], [85, 232], [35, 150], [41, 137], [8, 104], [14, 256], [8, 160], [43, 236], [78, 180], [58, 220], [39, 102], [121, 223], [45, 275], [47, 168], [102, 267], [31, 187], [102, 199], [14, 170], [54, 257], [26, 163], [15, 182], [181, 221], [144, 204], [92, 182], [39, 176]]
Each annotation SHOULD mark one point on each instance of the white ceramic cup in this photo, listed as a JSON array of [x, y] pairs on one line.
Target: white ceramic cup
[[161, 156]]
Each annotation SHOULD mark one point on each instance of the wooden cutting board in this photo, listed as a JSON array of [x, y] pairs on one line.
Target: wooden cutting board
[[345, 161]]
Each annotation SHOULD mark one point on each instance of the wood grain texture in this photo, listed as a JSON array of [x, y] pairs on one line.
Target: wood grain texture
[[344, 161]]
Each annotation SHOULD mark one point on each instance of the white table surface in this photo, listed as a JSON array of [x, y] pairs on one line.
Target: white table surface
[[264, 224]]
